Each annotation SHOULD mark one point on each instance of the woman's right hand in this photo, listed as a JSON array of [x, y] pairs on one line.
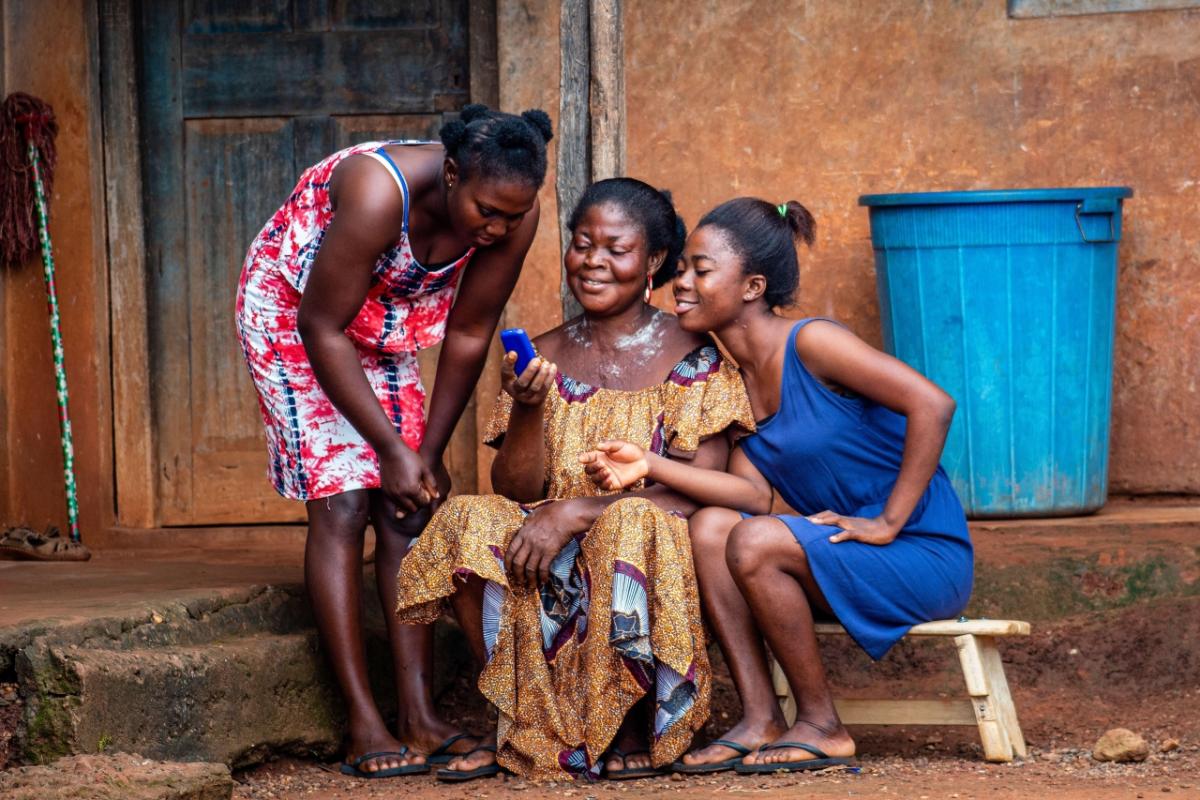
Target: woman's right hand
[[406, 479], [531, 386], [615, 465]]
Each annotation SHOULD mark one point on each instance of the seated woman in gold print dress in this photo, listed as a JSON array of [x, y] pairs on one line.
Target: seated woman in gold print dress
[[582, 605]]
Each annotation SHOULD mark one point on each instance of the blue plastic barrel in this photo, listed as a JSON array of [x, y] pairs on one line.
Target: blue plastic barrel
[[1007, 300]]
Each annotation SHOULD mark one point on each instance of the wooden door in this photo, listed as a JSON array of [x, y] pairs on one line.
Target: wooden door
[[237, 98]]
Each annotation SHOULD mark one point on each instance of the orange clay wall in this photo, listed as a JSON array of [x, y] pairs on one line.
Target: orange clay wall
[[824, 100]]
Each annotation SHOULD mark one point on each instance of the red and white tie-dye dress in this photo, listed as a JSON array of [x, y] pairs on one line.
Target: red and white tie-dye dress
[[314, 451]]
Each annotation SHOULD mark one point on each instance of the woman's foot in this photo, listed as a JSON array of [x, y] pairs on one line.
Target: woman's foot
[[437, 739], [390, 754], [479, 762], [748, 733], [833, 740], [629, 755]]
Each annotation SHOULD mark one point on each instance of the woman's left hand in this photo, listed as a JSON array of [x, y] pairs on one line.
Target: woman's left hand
[[441, 475], [546, 530], [875, 530]]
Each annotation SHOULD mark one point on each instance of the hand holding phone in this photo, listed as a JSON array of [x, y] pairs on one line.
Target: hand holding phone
[[516, 340], [525, 390]]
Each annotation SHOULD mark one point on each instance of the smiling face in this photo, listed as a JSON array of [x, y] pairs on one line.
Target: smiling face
[[607, 261], [485, 210], [711, 289]]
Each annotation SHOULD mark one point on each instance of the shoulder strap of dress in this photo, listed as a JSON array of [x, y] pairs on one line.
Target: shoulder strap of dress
[[381, 155]]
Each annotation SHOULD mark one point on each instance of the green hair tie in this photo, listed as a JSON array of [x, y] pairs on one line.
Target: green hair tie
[[782, 209]]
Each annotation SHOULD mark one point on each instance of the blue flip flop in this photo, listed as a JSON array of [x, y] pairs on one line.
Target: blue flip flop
[[715, 766], [442, 755], [354, 767], [820, 760]]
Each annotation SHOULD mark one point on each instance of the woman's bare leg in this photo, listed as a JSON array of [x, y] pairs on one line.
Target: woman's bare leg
[[418, 722], [333, 576], [741, 641], [467, 602], [771, 570]]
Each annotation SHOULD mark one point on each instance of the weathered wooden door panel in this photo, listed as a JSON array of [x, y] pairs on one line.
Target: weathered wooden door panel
[[237, 99]]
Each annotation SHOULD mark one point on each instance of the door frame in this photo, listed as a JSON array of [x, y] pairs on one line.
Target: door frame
[[135, 499]]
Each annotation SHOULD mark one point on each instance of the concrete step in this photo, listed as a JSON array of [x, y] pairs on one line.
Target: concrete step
[[234, 678], [1050, 569], [231, 701], [117, 777]]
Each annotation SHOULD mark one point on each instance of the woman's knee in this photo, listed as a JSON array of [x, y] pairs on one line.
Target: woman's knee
[[339, 515], [757, 543], [709, 529]]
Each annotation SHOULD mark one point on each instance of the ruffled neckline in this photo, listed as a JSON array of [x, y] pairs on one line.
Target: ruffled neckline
[[696, 366]]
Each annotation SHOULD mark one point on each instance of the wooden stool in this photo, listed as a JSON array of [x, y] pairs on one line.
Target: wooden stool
[[990, 706]]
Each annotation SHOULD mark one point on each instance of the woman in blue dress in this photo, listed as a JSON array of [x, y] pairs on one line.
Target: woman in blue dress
[[850, 438]]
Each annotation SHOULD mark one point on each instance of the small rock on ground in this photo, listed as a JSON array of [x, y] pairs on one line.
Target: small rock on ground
[[1120, 744], [119, 776]]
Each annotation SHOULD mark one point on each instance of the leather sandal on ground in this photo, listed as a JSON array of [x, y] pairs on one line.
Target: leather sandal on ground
[[441, 754], [715, 766], [627, 773], [820, 760], [460, 775], [26, 544], [354, 768]]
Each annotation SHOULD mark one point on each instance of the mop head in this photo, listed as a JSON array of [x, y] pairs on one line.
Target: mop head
[[23, 119]]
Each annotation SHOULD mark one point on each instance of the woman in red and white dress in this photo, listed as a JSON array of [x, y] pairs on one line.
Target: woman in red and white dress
[[366, 263]]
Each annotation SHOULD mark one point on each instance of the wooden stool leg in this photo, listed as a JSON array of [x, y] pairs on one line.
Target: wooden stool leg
[[1006, 710], [975, 654], [783, 692]]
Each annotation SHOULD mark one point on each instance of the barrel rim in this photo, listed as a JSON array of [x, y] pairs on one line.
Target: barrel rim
[[978, 196]]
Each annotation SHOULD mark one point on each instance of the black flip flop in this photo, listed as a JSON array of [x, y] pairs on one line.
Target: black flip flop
[[460, 775], [820, 760], [442, 755], [715, 766], [628, 774], [353, 768]]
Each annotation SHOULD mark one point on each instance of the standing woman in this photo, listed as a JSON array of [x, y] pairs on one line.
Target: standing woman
[[354, 274], [850, 438]]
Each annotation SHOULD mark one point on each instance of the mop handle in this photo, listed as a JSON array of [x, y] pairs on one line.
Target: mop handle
[[60, 370]]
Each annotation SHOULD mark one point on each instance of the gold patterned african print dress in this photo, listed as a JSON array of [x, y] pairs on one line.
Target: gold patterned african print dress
[[620, 615]]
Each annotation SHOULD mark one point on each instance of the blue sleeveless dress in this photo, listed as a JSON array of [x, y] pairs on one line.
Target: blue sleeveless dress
[[821, 451]]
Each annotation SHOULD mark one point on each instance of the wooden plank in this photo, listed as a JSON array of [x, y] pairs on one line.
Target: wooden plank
[[103, 493], [905, 712], [483, 53], [949, 627], [362, 72], [169, 278], [573, 159], [237, 173], [6, 465], [607, 98], [992, 732], [1006, 710], [133, 453]]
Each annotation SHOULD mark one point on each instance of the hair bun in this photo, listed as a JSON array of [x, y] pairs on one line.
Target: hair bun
[[453, 134], [801, 221], [540, 121], [511, 135], [472, 112]]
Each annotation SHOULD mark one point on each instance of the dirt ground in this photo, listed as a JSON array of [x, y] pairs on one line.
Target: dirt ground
[[1137, 668]]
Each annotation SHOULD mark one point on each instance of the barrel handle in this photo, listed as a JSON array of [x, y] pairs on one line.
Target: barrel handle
[[1112, 231]]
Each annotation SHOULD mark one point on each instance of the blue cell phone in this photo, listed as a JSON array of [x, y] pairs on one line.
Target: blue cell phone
[[516, 340]]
